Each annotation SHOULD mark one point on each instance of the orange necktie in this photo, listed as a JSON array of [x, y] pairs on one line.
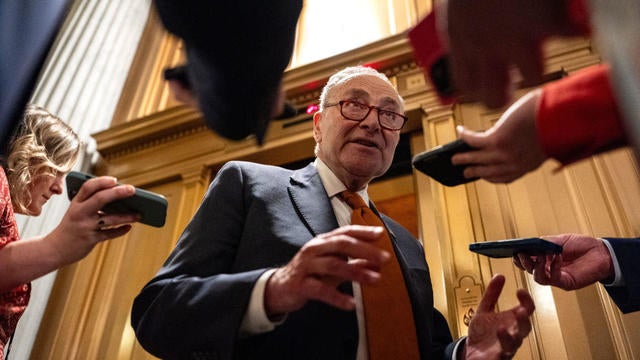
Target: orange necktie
[[391, 332]]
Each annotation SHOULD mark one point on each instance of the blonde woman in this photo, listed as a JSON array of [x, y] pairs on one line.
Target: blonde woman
[[41, 152]]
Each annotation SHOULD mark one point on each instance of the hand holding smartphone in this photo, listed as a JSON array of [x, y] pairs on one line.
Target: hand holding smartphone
[[151, 207], [508, 248], [437, 163]]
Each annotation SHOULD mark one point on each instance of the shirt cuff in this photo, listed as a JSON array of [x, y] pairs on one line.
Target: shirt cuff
[[618, 279], [458, 347], [255, 320]]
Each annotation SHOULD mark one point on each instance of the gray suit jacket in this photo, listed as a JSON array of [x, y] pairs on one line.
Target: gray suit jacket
[[253, 218]]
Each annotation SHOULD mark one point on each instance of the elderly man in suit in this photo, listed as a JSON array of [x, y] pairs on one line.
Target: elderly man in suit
[[273, 267]]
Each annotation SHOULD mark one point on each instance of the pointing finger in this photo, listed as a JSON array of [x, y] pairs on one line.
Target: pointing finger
[[490, 298]]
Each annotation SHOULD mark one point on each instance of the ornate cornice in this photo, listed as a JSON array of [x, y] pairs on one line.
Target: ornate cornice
[[149, 131]]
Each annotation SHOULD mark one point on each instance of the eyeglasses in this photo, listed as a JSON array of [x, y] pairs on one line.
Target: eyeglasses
[[353, 110]]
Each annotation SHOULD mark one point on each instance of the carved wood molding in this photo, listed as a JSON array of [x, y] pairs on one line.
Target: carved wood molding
[[148, 131]]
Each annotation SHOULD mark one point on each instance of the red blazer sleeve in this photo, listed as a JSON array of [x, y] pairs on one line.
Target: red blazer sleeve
[[578, 116]]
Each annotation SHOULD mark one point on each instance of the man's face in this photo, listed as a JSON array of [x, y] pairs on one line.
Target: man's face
[[357, 151]]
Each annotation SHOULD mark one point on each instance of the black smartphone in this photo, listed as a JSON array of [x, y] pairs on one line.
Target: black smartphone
[[437, 163], [152, 207], [508, 248]]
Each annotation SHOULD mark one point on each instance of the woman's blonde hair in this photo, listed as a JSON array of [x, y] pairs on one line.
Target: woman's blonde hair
[[42, 145]]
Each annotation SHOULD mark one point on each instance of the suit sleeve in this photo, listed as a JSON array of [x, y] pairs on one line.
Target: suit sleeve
[[627, 252], [578, 116], [196, 301]]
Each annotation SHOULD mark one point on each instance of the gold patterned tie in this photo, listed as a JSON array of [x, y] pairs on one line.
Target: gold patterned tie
[[391, 332]]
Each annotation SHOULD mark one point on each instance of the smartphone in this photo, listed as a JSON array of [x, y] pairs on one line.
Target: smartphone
[[437, 163], [151, 207], [508, 248]]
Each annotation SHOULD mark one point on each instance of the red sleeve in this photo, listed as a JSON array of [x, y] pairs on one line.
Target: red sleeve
[[578, 116], [8, 226]]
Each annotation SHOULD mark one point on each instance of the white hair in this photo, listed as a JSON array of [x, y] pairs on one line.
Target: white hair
[[347, 74]]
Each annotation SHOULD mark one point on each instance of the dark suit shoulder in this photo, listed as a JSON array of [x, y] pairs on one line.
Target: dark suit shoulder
[[252, 169], [627, 252]]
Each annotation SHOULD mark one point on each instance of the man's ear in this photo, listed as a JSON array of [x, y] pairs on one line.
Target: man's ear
[[317, 133]]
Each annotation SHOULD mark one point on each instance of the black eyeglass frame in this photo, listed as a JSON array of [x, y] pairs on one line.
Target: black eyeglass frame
[[371, 107]]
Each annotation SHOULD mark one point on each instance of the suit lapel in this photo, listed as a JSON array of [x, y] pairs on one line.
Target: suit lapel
[[310, 200], [375, 210]]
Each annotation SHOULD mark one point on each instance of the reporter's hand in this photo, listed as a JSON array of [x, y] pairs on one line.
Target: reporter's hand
[[486, 38], [584, 260], [321, 265], [509, 149], [84, 225], [498, 335]]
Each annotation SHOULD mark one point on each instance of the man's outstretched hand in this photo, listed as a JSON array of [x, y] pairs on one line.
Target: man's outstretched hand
[[498, 335]]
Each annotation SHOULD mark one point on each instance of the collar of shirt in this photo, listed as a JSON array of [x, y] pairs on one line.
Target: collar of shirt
[[332, 184]]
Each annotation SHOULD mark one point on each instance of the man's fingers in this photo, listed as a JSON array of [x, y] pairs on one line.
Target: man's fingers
[[541, 272], [556, 265], [317, 290], [526, 301], [338, 270], [474, 139], [491, 173], [524, 325], [481, 157], [526, 261], [360, 232], [511, 338], [490, 298], [517, 262], [346, 246]]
